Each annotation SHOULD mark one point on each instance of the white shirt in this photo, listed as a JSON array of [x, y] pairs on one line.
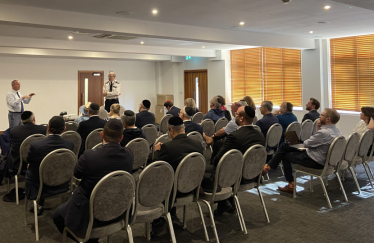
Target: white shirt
[[14, 102], [361, 128], [116, 89]]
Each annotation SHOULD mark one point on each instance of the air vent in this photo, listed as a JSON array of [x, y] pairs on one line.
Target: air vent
[[125, 13], [322, 22], [114, 37]]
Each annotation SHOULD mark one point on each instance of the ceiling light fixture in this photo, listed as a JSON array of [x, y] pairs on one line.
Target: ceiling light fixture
[[70, 37], [203, 46], [311, 32], [327, 7], [142, 43], [241, 23], [154, 11]]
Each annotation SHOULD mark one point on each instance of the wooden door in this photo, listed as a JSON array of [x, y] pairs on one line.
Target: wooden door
[[90, 87], [196, 87]]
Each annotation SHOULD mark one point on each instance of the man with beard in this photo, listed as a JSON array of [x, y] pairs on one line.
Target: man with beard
[[315, 154], [312, 106]]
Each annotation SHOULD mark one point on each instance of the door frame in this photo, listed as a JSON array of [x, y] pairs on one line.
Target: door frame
[[196, 71], [79, 88]]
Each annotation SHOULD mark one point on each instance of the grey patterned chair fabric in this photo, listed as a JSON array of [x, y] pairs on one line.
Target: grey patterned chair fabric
[[164, 124], [294, 126], [93, 138], [332, 166], [111, 197], [103, 114], [71, 126], [56, 168], [255, 119], [228, 173], [306, 130], [208, 127], [151, 133], [365, 141], [197, 136], [153, 188], [97, 146], [349, 156], [75, 138], [198, 117], [222, 122], [140, 149], [273, 137], [162, 139], [257, 128], [315, 126]]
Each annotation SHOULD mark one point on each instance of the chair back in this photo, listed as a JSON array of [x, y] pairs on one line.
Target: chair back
[[294, 126], [93, 138], [222, 122], [351, 148], [255, 119], [161, 139], [336, 151], [103, 114], [198, 117], [97, 146], [71, 126], [56, 168], [257, 128], [366, 141], [197, 136], [208, 127], [274, 135], [24, 148], [164, 123], [140, 149], [121, 110], [254, 160], [75, 138], [151, 133], [306, 130], [315, 126]]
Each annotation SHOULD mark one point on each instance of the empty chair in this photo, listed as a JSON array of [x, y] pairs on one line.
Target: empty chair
[[272, 139], [294, 126], [365, 141], [197, 136], [103, 114], [140, 149], [93, 138], [151, 133], [162, 139], [255, 119], [332, 166], [111, 197], [222, 122], [257, 128], [198, 117], [306, 130], [315, 126], [75, 137], [71, 126], [164, 124], [56, 169], [208, 127], [152, 190]]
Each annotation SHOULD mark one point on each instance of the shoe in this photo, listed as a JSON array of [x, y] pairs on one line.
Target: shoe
[[158, 225], [176, 222], [40, 209], [288, 188], [265, 170], [223, 206]]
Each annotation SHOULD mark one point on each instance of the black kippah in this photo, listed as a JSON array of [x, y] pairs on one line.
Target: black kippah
[[146, 104], [26, 115], [95, 106], [114, 124], [175, 121], [250, 111], [56, 122], [129, 113], [188, 110]]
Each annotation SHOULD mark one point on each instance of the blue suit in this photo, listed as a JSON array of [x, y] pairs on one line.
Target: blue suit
[[174, 111]]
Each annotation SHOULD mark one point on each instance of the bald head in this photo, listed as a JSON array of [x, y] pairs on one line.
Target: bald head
[[16, 85]]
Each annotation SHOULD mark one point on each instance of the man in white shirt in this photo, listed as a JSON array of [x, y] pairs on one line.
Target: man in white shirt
[[15, 102], [111, 91]]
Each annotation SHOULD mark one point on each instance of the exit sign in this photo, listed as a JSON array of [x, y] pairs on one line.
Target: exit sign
[[188, 57]]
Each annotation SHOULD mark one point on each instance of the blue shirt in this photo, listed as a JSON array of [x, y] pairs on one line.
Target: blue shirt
[[214, 114], [286, 119]]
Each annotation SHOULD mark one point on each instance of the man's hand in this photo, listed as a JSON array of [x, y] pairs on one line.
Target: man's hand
[[208, 140], [28, 166], [277, 112], [32, 94], [105, 93], [319, 125], [25, 97], [158, 146]]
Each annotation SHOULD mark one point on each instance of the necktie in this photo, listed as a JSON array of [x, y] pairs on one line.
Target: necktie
[[111, 85], [21, 102]]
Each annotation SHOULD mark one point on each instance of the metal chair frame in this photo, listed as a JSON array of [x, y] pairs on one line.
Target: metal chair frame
[[93, 133], [211, 123], [221, 123], [163, 124], [198, 117], [305, 134], [66, 133]]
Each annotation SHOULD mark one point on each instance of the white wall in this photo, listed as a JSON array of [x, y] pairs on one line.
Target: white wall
[[55, 82]]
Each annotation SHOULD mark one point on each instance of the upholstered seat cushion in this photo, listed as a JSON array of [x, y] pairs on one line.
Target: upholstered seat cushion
[[222, 195], [107, 230], [344, 165], [181, 201], [248, 186], [330, 170], [146, 214]]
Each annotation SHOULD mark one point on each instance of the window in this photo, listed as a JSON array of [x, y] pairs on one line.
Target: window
[[266, 74], [352, 72]]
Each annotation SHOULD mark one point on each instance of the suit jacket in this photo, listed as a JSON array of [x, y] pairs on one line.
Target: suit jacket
[[174, 111], [86, 127], [17, 135], [286, 119], [266, 122], [38, 150], [312, 115], [92, 166], [174, 151], [130, 134], [144, 118], [190, 126]]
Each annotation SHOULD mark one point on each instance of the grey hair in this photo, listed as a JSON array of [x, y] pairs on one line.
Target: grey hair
[[177, 129], [268, 105], [128, 120], [14, 81], [184, 113], [113, 74], [215, 102], [241, 103], [30, 119]]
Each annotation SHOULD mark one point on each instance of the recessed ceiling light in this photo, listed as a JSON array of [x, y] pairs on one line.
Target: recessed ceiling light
[[241, 23], [327, 7], [311, 32], [154, 11], [70, 37], [142, 43], [203, 46]]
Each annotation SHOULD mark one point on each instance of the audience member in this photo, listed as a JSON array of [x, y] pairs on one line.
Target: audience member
[[131, 131], [366, 116], [92, 166], [191, 103], [223, 107], [37, 151], [186, 114], [171, 109], [285, 115], [315, 154], [114, 112], [144, 117], [86, 127], [312, 106], [268, 118], [250, 102], [215, 112], [84, 110]]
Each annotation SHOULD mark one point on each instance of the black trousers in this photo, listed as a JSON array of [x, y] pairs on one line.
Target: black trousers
[[289, 155], [109, 102]]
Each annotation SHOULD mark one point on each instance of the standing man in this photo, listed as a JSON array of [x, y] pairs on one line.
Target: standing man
[[15, 101], [111, 91]]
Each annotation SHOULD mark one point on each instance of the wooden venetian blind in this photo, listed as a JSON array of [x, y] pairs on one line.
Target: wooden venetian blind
[[352, 72], [266, 74]]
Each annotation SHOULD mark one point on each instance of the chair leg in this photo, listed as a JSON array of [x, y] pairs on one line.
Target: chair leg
[[171, 229], [148, 231], [64, 236], [16, 183], [36, 220], [237, 212], [311, 183], [263, 204], [267, 175], [341, 186], [184, 217], [108, 238], [367, 164], [294, 185], [202, 221], [281, 166], [353, 172], [240, 215], [212, 219], [129, 234], [8, 186], [324, 190], [367, 173], [26, 204]]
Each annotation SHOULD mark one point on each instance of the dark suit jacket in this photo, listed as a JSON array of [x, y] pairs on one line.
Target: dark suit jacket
[[266, 122], [38, 150], [312, 115], [190, 126], [144, 118], [91, 167], [17, 135], [86, 127], [286, 119], [130, 134], [174, 111], [174, 151]]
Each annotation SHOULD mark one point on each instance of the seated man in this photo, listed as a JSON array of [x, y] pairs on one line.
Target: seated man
[[92, 166], [172, 110], [268, 118], [131, 131], [285, 115], [215, 112], [37, 151], [144, 117], [315, 154], [185, 114], [86, 127], [312, 106]]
